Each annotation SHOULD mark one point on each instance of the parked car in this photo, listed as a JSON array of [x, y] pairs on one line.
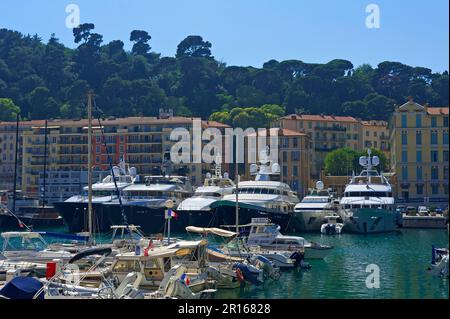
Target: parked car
[[401, 208], [439, 211], [423, 211], [411, 211]]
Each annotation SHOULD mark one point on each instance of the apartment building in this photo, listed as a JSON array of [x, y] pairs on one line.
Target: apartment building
[[294, 157], [375, 134], [8, 151], [142, 141], [326, 133], [419, 152]]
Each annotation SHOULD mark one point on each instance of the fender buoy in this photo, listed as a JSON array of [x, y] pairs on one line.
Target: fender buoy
[[239, 275]]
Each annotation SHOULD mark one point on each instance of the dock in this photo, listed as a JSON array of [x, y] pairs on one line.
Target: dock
[[424, 221]]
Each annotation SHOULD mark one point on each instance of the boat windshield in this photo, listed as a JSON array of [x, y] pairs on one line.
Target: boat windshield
[[23, 243], [207, 194], [315, 200], [251, 190]]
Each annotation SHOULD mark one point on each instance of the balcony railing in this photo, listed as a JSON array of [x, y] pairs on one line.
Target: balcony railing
[[331, 128]]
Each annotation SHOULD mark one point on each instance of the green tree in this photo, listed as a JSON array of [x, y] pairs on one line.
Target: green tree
[[345, 161], [194, 46], [8, 110], [140, 39]]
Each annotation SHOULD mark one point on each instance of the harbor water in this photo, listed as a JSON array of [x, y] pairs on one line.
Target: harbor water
[[401, 256]]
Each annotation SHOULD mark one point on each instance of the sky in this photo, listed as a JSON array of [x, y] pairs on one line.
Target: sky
[[251, 32]]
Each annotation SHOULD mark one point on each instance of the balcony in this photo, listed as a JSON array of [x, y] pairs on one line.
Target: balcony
[[331, 128]]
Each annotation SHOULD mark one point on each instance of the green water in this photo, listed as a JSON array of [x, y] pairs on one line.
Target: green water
[[402, 257]]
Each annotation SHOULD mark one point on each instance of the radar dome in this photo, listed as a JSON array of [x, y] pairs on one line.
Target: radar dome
[[253, 169], [275, 168], [319, 185], [375, 160]]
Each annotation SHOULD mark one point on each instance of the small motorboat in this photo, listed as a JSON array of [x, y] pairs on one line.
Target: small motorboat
[[439, 262], [332, 227]]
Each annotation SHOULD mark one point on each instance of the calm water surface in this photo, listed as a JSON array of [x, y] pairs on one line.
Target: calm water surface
[[402, 256]]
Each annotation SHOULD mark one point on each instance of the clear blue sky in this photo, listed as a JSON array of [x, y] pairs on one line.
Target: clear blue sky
[[251, 32]]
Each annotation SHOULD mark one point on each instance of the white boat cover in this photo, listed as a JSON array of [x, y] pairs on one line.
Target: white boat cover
[[214, 231]]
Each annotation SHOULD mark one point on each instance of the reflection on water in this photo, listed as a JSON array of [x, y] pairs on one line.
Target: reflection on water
[[402, 257]]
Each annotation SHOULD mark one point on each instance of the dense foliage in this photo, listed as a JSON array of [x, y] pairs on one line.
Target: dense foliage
[[49, 80], [345, 161]]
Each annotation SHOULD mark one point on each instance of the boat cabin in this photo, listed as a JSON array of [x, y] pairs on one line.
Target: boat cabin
[[154, 263]]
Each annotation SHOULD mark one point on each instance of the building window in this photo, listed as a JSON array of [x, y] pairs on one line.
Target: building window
[[418, 156], [445, 155], [446, 121], [433, 121], [419, 189], [285, 170], [295, 142], [367, 133], [418, 120], [446, 172], [310, 124], [295, 170], [434, 156], [284, 156], [405, 172], [419, 173], [434, 138], [404, 156], [445, 138], [404, 120], [418, 137], [295, 156], [434, 189], [434, 173], [404, 138]]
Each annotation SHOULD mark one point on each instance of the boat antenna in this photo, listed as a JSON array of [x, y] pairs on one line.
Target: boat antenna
[[236, 173], [99, 115]]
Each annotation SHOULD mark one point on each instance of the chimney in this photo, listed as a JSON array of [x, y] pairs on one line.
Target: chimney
[[410, 99]]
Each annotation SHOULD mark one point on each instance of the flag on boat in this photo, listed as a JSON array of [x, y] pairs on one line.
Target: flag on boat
[[171, 214]]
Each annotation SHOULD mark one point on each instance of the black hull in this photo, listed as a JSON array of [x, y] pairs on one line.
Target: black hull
[[152, 220], [8, 222], [76, 219]]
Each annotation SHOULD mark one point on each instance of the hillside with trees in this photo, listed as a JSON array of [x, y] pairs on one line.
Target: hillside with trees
[[48, 80]]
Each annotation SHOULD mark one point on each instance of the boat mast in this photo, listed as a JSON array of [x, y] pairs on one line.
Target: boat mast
[[15, 165], [89, 111], [236, 174], [45, 163]]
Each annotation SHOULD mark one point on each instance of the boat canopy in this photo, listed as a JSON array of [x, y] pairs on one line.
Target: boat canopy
[[21, 234], [178, 249], [214, 231]]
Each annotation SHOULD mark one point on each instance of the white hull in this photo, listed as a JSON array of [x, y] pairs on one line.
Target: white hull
[[311, 220], [369, 220]]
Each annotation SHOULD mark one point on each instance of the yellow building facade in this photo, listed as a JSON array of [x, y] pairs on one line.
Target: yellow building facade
[[294, 158], [419, 143], [326, 133]]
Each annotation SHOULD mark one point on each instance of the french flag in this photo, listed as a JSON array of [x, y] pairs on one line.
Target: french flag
[[171, 214]]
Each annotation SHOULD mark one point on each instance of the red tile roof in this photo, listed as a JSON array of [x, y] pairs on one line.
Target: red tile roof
[[437, 110], [328, 118], [374, 123]]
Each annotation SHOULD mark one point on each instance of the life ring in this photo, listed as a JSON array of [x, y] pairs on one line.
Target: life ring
[[239, 275]]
